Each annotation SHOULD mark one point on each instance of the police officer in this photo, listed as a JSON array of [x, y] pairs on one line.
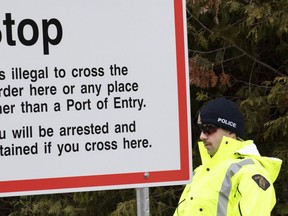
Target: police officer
[[234, 179]]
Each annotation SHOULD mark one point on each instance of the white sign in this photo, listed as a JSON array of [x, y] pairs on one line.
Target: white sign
[[94, 95]]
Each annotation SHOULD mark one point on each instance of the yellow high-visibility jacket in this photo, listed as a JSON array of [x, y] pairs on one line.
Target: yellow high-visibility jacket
[[236, 181]]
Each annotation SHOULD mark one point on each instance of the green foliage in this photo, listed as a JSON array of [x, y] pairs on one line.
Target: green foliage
[[163, 201], [43, 205], [265, 109], [277, 126], [125, 208]]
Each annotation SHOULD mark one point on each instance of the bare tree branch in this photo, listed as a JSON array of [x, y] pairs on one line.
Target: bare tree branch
[[237, 47]]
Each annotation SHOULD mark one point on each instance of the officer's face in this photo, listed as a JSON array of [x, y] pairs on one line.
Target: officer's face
[[212, 137]]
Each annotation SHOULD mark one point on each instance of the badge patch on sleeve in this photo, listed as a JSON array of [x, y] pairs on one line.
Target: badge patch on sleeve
[[261, 181]]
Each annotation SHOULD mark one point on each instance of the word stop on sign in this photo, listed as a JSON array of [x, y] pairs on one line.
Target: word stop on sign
[[32, 39]]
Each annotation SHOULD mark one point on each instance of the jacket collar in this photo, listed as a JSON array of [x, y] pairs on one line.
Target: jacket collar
[[227, 149], [231, 148]]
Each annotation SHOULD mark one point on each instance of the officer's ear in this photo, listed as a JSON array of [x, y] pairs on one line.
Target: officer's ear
[[199, 120], [232, 135]]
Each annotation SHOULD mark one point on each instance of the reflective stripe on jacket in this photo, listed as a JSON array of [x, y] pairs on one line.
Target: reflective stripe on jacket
[[235, 181]]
